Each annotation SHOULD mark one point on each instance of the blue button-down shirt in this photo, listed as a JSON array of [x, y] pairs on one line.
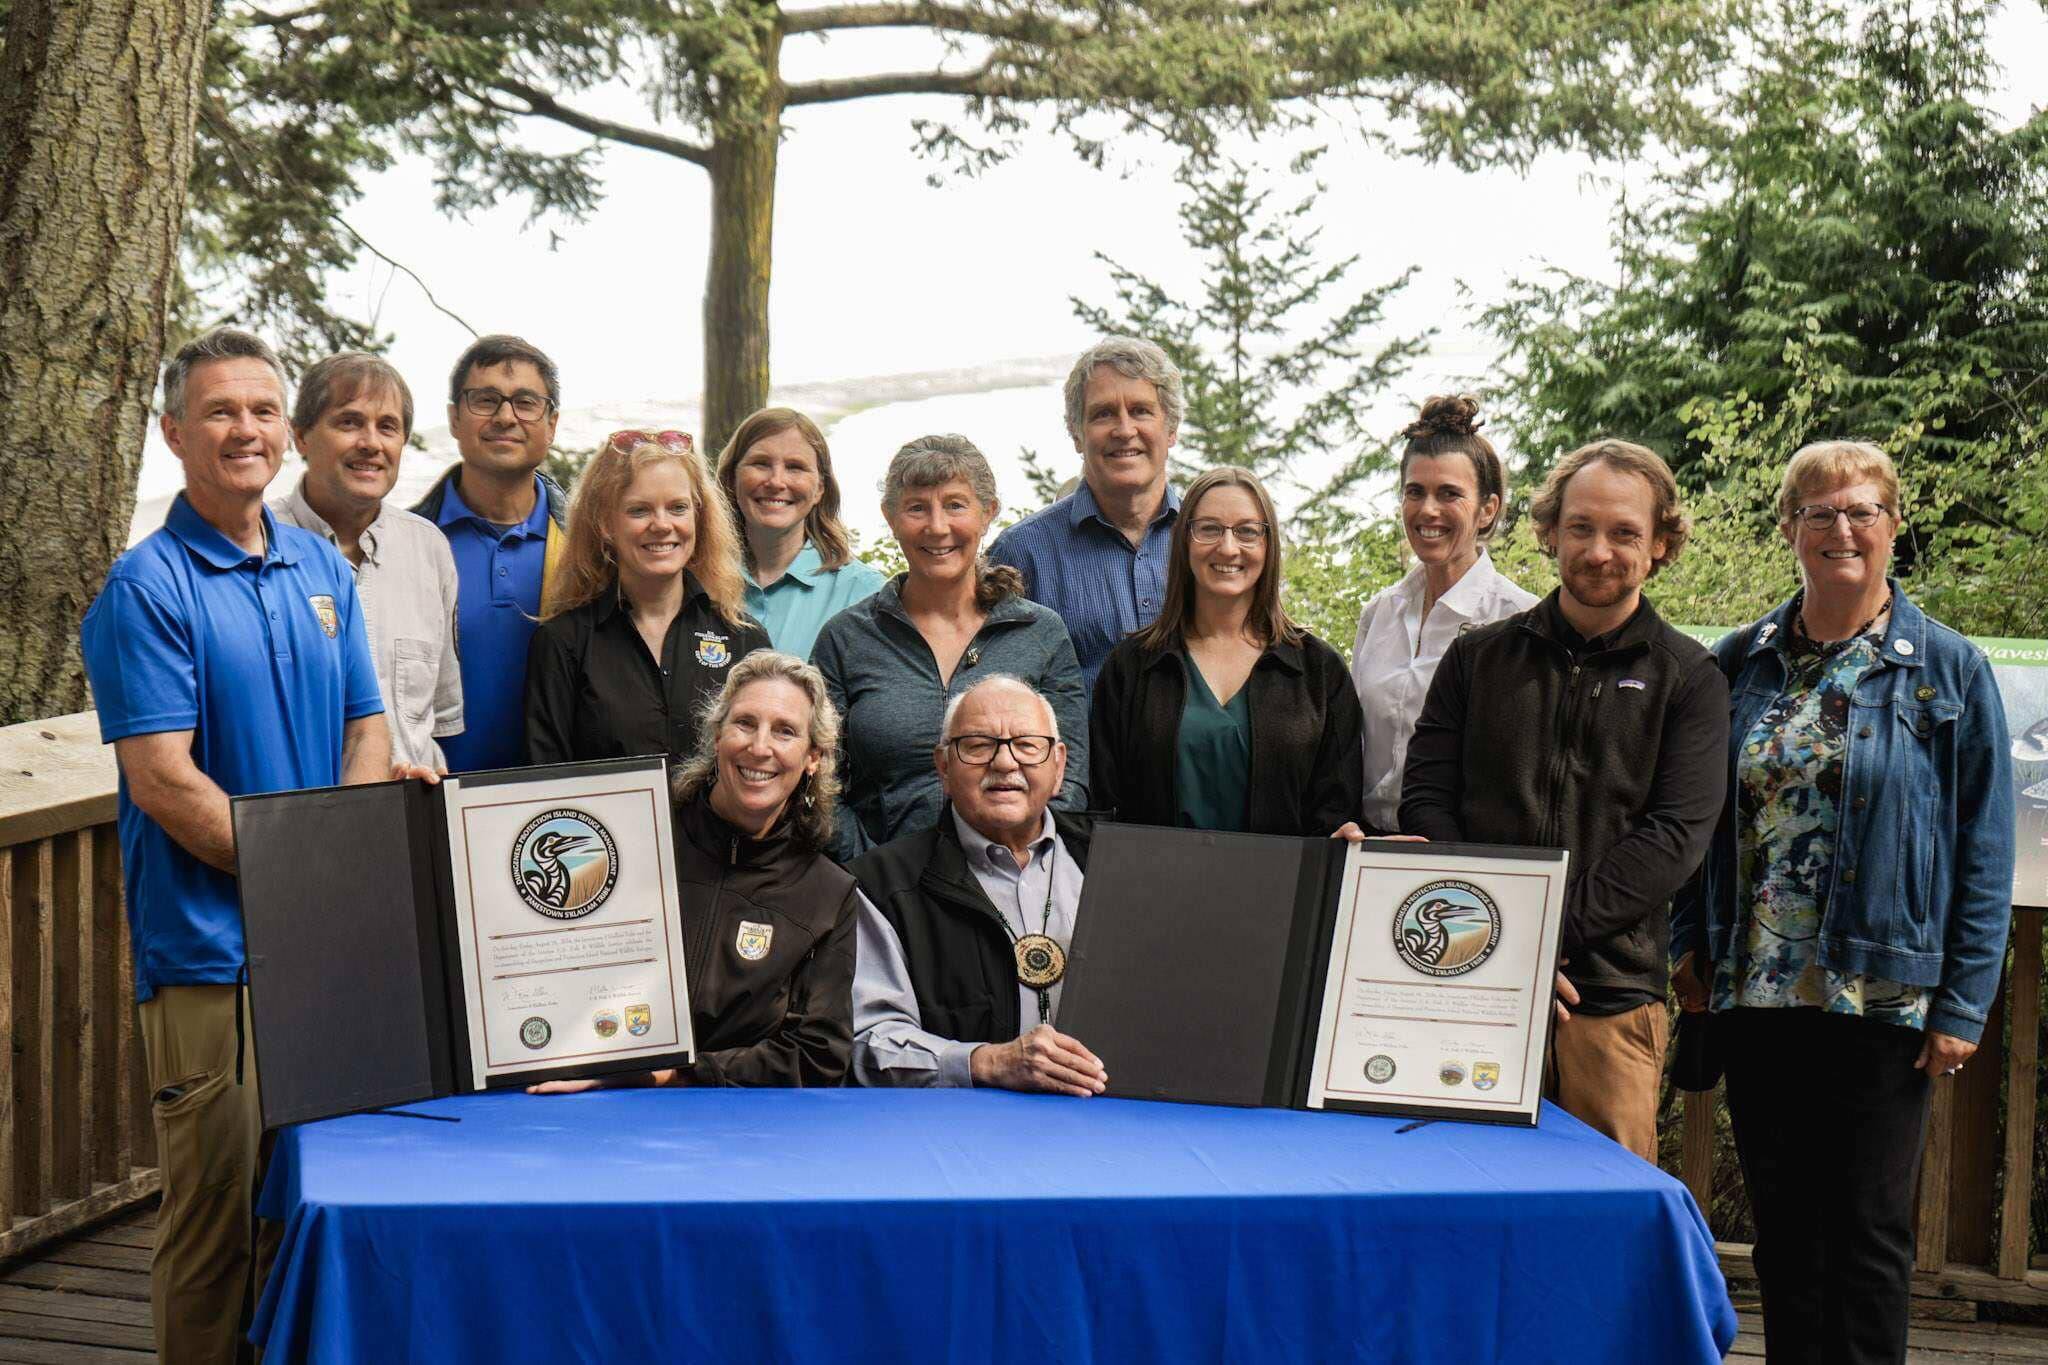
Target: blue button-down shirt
[[1078, 564], [264, 659], [497, 606], [796, 606]]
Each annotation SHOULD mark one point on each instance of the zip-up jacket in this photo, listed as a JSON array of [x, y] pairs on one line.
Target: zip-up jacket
[[961, 963], [768, 931], [1306, 729], [558, 523], [1615, 749]]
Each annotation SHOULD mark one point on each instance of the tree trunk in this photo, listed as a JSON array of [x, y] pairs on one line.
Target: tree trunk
[[97, 104], [743, 152]]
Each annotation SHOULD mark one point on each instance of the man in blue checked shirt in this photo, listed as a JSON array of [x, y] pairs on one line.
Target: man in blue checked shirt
[[1098, 556], [227, 655]]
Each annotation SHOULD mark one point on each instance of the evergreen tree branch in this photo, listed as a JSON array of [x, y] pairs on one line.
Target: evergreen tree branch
[[540, 104], [981, 82]]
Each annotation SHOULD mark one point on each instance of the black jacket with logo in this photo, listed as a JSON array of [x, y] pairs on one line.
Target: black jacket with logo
[[593, 690], [1616, 749], [1307, 725], [785, 1015], [961, 963]]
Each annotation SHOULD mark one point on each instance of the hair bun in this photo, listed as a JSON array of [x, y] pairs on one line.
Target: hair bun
[[1445, 415]]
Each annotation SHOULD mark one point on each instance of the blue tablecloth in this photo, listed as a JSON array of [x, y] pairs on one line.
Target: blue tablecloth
[[631, 1227]]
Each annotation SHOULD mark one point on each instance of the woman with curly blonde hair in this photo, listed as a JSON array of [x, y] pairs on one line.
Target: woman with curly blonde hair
[[768, 920], [648, 609]]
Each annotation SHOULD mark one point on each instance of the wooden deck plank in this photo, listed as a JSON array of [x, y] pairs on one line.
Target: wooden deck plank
[[19, 1352], [117, 1284], [56, 1303], [81, 1252], [34, 1327], [121, 1234]]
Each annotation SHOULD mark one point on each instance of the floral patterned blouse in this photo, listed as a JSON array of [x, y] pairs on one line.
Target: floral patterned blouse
[[1788, 809]]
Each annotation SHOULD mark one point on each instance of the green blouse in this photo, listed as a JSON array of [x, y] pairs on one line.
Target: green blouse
[[1212, 762]]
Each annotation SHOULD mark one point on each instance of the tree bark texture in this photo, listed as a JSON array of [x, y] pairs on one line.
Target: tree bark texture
[[97, 104], [743, 153]]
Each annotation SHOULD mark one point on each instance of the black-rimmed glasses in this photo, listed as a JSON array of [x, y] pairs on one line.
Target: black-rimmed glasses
[[527, 407], [980, 750], [1820, 517]]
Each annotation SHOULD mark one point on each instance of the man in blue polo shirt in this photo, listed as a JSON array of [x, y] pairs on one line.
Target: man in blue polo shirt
[[503, 519], [1098, 555], [227, 655]]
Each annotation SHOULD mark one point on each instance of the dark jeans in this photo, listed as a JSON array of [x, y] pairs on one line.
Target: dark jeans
[[1829, 1115]]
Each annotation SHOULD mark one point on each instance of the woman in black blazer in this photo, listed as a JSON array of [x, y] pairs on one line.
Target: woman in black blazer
[[1223, 713]]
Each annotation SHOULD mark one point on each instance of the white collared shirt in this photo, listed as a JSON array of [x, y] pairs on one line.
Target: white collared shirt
[[407, 586], [1395, 656]]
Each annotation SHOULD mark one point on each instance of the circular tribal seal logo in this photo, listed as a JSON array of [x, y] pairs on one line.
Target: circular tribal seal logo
[[564, 863], [535, 1032], [1446, 928], [1379, 1068]]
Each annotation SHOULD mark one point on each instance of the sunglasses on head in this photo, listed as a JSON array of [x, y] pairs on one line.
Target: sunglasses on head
[[631, 439]]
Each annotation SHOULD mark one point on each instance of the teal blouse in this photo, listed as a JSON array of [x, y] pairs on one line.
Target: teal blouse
[[1212, 763], [796, 606]]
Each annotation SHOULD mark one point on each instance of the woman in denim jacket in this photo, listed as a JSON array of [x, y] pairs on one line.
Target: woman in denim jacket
[[1848, 926]]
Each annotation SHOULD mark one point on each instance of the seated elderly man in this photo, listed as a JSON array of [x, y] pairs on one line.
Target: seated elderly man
[[951, 916]]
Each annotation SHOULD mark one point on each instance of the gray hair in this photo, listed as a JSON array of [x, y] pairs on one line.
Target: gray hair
[[1133, 358], [1008, 680], [349, 375], [813, 821], [930, 461], [222, 343]]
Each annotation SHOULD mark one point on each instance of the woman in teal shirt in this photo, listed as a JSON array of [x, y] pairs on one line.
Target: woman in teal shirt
[[777, 472], [1223, 713]]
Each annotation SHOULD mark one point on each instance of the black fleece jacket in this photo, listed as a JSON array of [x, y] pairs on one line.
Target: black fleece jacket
[[1614, 748], [1305, 778]]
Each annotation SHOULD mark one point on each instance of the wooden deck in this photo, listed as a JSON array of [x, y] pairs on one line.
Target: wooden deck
[[85, 1301]]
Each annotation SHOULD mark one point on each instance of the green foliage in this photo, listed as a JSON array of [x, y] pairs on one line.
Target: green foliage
[[1853, 252], [301, 101]]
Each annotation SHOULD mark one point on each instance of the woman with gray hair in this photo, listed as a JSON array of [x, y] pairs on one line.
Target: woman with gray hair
[[768, 919], [893, 661]]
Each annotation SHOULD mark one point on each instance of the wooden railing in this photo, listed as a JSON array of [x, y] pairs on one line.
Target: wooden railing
[[76, 1142], [1976, 1229]]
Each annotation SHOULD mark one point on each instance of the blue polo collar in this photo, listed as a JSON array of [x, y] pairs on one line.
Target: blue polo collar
[[807, 567], [1082, 506], [206, 541], [453, 508]]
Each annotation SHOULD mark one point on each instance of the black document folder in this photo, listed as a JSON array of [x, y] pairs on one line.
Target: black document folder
[[1196, 960], [352, 924], [1243, 969]]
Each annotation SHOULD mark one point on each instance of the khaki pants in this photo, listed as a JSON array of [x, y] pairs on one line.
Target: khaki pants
[[209, 1261], [1606, 1070]]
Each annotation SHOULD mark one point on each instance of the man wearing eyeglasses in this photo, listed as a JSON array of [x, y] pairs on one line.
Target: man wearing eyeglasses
[[964, 927], [504, 520]]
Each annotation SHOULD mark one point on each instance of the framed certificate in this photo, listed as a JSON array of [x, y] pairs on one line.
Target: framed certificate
[[1379, 977], [1436, 998], [407, 942]]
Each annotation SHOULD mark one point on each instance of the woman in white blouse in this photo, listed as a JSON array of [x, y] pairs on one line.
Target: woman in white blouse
[[1452, 491]]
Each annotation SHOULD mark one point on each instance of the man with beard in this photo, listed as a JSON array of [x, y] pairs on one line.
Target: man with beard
[[1586, 723], [951, 917]]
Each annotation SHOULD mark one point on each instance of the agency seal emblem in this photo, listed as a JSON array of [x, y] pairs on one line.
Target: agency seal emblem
[[753, 939], [1485, 1075], [1446, 928], [1379, 1068], [1451, 1073], [323, 608], [712, 651], [606, 1022], [564, 863], [535, 1032], [639, 1019]]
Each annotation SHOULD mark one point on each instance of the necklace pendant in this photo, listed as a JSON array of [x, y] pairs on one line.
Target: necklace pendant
[[1041, 962]]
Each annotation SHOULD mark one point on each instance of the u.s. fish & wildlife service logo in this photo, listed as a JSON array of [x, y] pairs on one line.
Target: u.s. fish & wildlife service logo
[[1446, 928], [535, 1032], [712, 650], [639, 1019], [330, 619], [1379, 1068], [753, 939], [1485, 1075], [564, 863]]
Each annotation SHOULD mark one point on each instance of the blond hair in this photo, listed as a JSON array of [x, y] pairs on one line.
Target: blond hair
[[1672, 522], [816, 797], [587, 570], [1825, 466]]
